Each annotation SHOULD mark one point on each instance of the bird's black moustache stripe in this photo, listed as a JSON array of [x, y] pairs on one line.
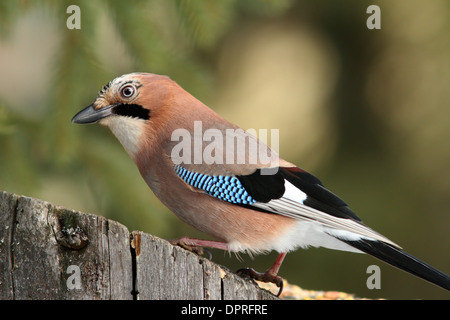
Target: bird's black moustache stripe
[[131, 110]]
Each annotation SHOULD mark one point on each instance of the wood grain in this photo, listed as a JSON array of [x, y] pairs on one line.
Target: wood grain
[[42, 244]]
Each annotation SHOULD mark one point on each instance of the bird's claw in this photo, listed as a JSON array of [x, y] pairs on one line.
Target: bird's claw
[[194, 249], [264, 277]]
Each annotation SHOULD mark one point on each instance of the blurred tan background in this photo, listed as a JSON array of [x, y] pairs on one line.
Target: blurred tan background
[[367, 111]]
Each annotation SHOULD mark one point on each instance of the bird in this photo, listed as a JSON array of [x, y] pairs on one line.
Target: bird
[[227, 183]]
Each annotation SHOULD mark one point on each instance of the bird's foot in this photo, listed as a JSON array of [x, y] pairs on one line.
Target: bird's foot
[[192, 248], [194, 245], [268, 276]]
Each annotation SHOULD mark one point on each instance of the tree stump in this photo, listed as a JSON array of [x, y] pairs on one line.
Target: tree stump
[[49, 252]]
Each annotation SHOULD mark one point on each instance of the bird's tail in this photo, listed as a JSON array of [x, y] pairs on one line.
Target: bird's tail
[[401, 260]]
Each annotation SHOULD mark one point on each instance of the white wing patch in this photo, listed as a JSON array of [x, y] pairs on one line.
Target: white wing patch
[[293, 193]]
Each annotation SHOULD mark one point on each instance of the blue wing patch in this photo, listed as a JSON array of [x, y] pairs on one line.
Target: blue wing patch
[[227, 188]]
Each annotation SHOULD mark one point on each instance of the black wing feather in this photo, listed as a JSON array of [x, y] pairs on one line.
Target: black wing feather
[[264, 188]]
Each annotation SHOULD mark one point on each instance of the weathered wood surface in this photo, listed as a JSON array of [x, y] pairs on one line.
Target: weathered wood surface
[[48, 252]]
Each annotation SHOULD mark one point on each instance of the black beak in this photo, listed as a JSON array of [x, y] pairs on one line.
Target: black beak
[[90, 115]]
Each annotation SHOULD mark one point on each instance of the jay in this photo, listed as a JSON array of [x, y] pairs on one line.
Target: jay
[[247, 204]]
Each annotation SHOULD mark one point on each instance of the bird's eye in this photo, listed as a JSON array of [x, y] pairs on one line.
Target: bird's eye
[[127, 91]]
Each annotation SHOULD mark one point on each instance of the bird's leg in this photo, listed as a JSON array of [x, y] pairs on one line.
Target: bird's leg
[[196, 245], [269, 276]]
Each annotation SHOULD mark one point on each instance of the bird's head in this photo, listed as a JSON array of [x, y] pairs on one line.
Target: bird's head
[[128, 105]]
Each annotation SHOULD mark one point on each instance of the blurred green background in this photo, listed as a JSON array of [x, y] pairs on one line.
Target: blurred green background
[[367, 111]]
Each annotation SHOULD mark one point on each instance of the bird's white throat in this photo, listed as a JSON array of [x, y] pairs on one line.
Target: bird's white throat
[[127, 130]]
